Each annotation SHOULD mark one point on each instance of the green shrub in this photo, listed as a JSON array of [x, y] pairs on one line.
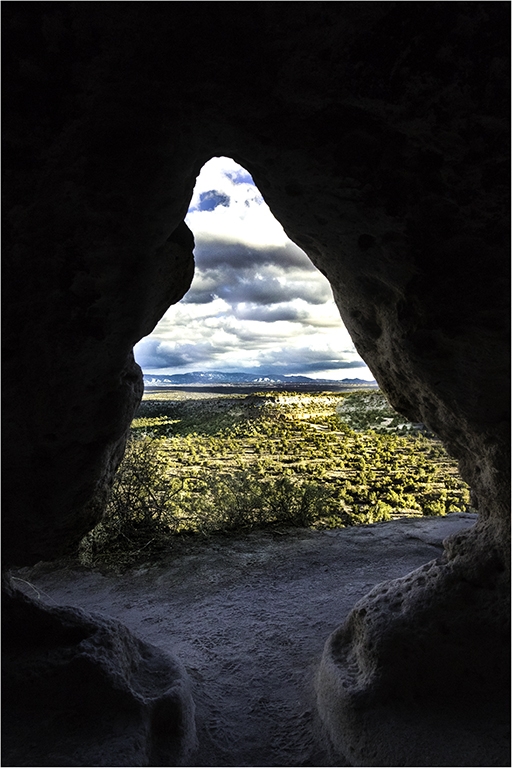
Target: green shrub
[[382, 512], [189, 469], [433, 508], [246, 500], [139, 510]]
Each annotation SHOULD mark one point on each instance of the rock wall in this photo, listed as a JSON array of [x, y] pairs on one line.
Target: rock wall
[[82, 690], [378, 135]]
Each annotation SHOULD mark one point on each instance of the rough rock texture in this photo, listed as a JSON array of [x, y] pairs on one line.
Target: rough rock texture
[[418, 672], [377, 133], [82, 690], [250, 614]]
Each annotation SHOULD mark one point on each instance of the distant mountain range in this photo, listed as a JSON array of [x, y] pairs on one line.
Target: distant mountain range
[[238, 378]]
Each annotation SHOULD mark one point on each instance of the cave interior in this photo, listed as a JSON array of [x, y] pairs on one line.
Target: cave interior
[[378, 134]]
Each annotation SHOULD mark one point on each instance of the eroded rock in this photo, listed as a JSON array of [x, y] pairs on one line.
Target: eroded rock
[[377, 133], [419, 672], [82, 690]]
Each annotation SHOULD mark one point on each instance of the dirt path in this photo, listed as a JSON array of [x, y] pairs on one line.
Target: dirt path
[[249, 617]]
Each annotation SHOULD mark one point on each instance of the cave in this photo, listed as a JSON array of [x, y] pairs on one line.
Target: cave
[[378, 134]]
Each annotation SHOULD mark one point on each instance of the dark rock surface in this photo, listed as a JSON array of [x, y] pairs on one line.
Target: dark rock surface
[[422, 687], [378, 135], [248, 616], [82, 690]]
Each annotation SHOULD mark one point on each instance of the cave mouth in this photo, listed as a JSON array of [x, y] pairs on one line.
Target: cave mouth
[[256, 293], [376, 133]]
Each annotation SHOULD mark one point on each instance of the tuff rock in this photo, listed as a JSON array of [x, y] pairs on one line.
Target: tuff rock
[[378, 135], [82, 690]]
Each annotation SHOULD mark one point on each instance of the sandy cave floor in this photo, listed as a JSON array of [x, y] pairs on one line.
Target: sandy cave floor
[[248, 616]]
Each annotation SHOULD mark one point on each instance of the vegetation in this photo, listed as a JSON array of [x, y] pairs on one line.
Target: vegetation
[[203, 464]]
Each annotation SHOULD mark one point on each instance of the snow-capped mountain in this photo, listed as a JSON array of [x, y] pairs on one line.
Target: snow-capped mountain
[[240, 378]]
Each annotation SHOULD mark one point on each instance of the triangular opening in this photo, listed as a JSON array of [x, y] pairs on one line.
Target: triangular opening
[[257, 305], [239, 430]]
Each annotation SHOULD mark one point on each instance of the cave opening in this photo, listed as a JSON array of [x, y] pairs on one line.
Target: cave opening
[[378, 135], [243, 424]]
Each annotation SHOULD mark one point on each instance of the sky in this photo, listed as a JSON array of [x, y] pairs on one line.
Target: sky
[[256, 303]]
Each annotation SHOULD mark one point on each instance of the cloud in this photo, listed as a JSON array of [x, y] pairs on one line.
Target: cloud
[[240, 176], [264, 314], [256, 303], [214, 252], [223, 353], [241, 286], [295, 311], [153, 353], [190, 356], [240, 273], [246, 219], [219, 340]]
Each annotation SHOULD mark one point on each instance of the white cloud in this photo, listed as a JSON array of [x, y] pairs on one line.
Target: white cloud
[[246, 219], [256, 302]]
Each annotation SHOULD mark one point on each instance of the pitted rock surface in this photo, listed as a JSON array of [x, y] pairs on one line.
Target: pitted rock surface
[[247, 616], [82, 690], [378, 135]]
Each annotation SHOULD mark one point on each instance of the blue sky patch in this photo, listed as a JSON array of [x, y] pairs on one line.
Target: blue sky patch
[[209, 201], [239, 177]]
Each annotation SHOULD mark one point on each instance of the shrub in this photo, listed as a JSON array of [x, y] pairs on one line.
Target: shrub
[[139, 510], [433, 508], [246, 500], [234, 471]]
